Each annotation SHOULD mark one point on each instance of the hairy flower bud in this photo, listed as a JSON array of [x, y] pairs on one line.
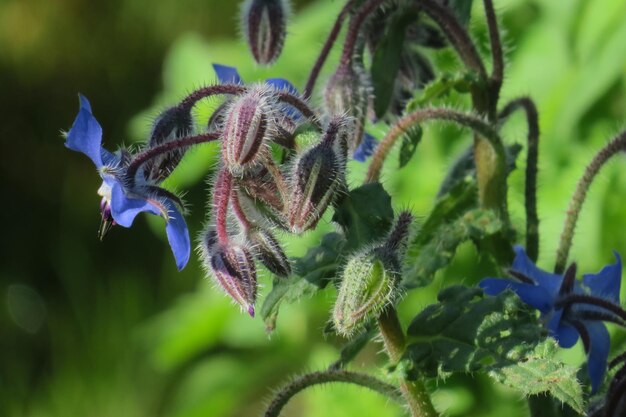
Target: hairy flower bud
[[174, 123], [233, 268], [348, 93], [246, 127], [264, 25], [315, 178], [369, 283], [268, 250]]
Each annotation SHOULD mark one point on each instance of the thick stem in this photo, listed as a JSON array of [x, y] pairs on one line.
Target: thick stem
[[150, 153], [616, 145], [414, 392], [211, 90], [353, 30], [532, 218], [221, 196], [330, 41], [496, 51], [316, 378], [301, 106], [408, 121]]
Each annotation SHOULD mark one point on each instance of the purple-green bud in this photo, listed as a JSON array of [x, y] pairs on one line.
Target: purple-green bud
[[348, 93], [174, 123], [268, 250], [264, 24], [316, 176], [369, 284], [248, 124], [232, 267]]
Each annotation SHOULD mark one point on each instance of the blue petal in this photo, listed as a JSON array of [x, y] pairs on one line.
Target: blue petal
[[86, 134], [565, 334], [177, 235], [533, 295], [523, 264], [227, 75], [281, 84], [124, 209], [606, 283], [365, 148], [598, 352]]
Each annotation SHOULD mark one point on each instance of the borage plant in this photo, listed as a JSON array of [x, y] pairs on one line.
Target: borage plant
[[283, 164]]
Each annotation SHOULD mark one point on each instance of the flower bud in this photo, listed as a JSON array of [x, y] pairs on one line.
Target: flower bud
[[174, 123], [369, 283], [264, 25], [316, 175], [246, 128], [233, 268], [348, 93], [268, 250]]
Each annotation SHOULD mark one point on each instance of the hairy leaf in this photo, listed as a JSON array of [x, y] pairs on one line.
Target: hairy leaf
[[410, 140]]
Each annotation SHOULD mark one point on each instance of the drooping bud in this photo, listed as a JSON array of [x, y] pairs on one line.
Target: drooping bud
[[264, 24], [174, 123], [247, 125], [315, 178], [369, 283], [233, 268], [268, 250], [348, 93]]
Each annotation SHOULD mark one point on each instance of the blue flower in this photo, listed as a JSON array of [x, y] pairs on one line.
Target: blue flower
[[568, 307], [226, 74], [121, 202]]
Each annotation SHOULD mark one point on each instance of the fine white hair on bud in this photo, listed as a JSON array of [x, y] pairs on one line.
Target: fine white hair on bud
[[264, 26], [268, 251]]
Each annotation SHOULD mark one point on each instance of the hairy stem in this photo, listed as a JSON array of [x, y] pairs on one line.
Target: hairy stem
[[530, 194], [221, 197], [324, 377], [300, 105], [576, 203], [211, 90], [419, 116], [496, 51], [150, 153], [238, 210], [330, 41], [414, 392], [353, 30]]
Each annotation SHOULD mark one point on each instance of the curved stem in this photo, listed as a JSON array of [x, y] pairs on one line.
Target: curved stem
[[150, 153], [238, 210], [414, 392], [496, 51], [576, 203], [530, 197], [211, 90], [221, 196], [330, 41], [316, 378], [419, 116], [300, 105], [353, 30]]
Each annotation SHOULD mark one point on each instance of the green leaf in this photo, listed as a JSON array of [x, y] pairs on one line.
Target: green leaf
[[424, 259], [501, 335], [365, 215], [386, 59], [312, 272], [410, 140], [442, 86]]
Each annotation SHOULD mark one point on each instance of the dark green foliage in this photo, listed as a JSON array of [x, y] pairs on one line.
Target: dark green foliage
[[410, 140]]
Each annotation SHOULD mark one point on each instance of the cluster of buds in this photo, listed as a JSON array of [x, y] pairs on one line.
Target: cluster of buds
[[371, 280]]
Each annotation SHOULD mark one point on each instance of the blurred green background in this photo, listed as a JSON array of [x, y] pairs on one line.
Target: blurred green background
[[112, 329]]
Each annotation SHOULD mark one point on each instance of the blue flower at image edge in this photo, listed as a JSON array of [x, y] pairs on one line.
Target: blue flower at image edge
[[544, 294], [226, 74], [125, 204]]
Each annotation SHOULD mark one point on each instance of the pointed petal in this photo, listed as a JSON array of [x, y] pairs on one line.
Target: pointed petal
[[533, 295], [177, 235], [565, 334], [550, 282], [281, 84], [598, 352], [125, 209], [227, 75], [606, 283], [85, 134], [366, 148]]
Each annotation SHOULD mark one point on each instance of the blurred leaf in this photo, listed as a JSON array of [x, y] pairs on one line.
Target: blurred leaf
[[312, 272], [469, 332], [462, 9], [387, 58], [424, 259], [354, 346], [410, 140], [441, 87], [365, 215]]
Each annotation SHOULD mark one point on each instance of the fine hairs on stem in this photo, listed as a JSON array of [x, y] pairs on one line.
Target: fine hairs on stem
[[618, 144]]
